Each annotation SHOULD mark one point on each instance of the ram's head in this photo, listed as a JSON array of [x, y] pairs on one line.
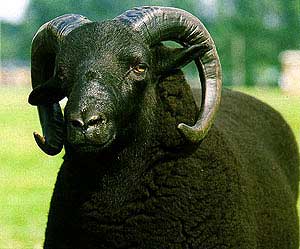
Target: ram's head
[[105, 69]]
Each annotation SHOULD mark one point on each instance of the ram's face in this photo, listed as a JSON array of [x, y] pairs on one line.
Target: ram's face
[[104, 74], [106, 69]]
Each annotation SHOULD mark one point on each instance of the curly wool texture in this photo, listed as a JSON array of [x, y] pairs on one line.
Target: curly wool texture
[[237, 189]]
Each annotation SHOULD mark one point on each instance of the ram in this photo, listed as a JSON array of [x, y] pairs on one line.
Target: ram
[[144, 167]]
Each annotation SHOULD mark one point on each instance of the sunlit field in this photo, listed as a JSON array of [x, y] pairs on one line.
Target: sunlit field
[[27, 175]]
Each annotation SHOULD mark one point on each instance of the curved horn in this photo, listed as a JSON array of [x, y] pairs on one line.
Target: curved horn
[[44, 48], [164, 23]]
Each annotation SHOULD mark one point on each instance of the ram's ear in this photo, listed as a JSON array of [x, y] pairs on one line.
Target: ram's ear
[[47, 93], [176, 58]]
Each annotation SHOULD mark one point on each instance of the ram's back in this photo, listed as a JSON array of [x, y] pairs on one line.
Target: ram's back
[[258, 144], [259, 136]]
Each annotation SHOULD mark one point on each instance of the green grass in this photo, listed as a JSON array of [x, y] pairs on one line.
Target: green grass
[[27, 176]]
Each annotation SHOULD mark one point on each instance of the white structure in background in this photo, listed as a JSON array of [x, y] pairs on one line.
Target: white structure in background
[[14, 74], [13, 10], [290, 74]]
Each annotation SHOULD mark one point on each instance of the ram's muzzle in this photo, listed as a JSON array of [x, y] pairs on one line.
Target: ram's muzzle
[[90, 117]]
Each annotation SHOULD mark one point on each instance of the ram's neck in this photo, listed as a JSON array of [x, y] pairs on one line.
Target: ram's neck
[[167, 104], [177, 105]]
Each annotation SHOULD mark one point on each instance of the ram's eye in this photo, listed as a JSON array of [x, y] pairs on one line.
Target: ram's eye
[[140, 68]]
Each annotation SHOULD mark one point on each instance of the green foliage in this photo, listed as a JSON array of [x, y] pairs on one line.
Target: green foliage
[[250, 36], [27, 176]]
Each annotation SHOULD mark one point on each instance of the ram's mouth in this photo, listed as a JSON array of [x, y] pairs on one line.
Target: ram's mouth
[[89, 147]]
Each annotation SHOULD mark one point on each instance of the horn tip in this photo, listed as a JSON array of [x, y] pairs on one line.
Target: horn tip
[[44, 146], [194, 135], [40, 140]]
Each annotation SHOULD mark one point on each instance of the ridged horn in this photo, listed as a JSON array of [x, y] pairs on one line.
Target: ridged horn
[[44, 48], [157, 24]]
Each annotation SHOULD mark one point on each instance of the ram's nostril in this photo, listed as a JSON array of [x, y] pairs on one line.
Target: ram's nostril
[[96, 120], [78, 123]]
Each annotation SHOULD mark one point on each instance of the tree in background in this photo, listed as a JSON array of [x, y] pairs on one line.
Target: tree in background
[[249, 34]]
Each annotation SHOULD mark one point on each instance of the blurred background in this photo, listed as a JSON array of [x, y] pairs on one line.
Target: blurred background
[[258, 43]]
